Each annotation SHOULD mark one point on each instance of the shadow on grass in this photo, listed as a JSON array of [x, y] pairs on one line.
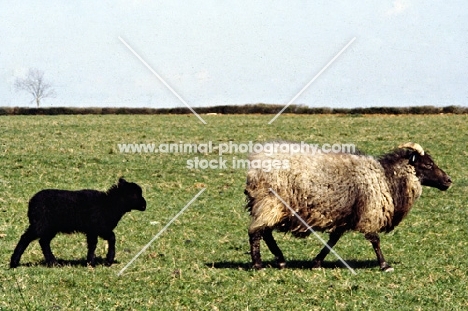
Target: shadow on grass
[[296, 264], [73, 263]]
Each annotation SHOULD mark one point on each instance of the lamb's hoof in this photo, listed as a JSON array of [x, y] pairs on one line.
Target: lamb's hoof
[[281, 265], [258, 266], [52, 264], [316, 264], [14, 265], [108, 263]]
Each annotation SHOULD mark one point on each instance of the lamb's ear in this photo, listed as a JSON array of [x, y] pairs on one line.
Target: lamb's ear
[[122, 181]]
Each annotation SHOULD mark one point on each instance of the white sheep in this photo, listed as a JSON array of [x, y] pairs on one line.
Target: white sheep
[[337, 192]]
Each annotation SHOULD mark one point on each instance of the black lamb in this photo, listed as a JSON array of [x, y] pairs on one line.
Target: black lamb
[[94, 213]]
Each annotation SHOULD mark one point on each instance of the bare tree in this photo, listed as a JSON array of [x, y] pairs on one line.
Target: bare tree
[[35, 85]]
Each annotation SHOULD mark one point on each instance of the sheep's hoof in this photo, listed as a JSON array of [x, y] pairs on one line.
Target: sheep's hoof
[[258, 266], [385, 267], [281, 265]]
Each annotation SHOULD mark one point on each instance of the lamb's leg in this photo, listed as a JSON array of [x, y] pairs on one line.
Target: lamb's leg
[[111, 250], [28, 236], [271, 243], [254, 239], [334, 237], [44, 241], [92, 240], [375, 240]]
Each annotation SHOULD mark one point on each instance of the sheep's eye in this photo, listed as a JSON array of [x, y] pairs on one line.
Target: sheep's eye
[[428, 166]]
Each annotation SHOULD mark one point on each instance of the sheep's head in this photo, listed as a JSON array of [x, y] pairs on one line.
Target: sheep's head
[[130, 195], [427, 171]]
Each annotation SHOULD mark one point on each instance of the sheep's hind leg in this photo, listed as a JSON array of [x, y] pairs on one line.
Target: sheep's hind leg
[[271, 243], [334, 237], [254, 239], [28, 236], [44, 241], [375, 240], [92, 240]]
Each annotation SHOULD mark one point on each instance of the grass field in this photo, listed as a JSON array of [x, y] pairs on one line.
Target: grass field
[[202, 262]]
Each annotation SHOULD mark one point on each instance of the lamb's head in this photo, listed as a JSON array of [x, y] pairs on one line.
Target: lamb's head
[[427, 171], [129, 195]]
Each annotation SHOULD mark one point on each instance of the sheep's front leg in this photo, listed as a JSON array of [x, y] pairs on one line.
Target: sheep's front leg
[[375, 240], [110, 237], [92, 240], [23, 243], [254, 239]]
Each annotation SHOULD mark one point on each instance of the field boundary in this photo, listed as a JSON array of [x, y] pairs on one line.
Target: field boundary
[[241, 109]]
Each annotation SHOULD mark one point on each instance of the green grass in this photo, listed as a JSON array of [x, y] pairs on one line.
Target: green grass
[[202, 262]]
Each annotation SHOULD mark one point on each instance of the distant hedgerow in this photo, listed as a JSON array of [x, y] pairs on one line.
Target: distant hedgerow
[[234, 109]]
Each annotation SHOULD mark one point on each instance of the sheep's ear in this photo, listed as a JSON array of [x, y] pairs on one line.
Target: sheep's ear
[[122, 181]]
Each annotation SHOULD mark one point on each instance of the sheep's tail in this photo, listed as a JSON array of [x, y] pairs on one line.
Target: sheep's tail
[[250, 201], [268, 212]]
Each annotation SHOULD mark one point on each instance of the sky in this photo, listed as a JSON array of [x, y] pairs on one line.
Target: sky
[[404, 53]]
